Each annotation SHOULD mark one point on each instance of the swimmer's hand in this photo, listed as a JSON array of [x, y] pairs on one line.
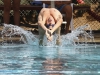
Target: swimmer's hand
[[50, 38], [49, 35], [48, 32]]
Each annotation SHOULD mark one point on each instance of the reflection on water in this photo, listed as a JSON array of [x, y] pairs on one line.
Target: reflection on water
[[29, 60]]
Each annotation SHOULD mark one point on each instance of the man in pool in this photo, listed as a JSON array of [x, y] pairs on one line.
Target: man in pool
[[49, 21]]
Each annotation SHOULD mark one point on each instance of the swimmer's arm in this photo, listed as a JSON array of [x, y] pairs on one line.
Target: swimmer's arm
[[41, 23], [58, 23]]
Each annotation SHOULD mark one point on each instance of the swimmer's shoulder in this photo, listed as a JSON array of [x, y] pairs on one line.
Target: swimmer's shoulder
[[54, 10], [44, 9]]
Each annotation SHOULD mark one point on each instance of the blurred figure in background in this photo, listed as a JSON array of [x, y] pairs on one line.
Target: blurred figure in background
[[7, 7]]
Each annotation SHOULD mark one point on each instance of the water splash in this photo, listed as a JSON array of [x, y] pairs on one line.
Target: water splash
[[72, 37], [27, 37], [10, 31], [50, 43]]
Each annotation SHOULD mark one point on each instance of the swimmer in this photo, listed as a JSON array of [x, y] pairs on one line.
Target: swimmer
[[49, 22]]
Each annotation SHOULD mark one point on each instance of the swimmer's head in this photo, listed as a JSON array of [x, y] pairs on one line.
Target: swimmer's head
[[50, 22], [50, 26]]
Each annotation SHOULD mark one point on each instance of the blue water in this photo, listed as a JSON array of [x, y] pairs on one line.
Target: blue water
[[25, 59], [28, 58]]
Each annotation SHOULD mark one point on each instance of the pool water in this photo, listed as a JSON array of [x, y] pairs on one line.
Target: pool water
[[26, 57], [35, 60]]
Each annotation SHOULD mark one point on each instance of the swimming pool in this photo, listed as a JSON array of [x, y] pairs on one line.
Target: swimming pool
[[22, 55], [34, 60]]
